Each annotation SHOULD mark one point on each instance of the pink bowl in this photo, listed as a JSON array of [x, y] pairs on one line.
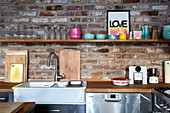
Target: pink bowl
[[75, 31], [75, 36]]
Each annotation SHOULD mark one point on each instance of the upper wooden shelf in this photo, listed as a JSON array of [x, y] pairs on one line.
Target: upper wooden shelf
[[81, 40]]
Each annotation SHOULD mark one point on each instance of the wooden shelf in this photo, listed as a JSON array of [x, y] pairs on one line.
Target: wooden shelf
[[80, 40]]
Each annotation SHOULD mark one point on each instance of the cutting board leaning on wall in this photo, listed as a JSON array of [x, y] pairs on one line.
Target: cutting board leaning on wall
[[70, 64], [16, 65]]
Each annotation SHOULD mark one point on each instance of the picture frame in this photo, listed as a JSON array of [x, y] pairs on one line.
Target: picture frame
[[118, 21]]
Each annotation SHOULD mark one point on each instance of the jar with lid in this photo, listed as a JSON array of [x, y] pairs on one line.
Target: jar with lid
[[154, 32], [166, 31]]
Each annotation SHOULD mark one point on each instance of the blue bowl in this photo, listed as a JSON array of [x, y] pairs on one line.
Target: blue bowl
[[100, 36], [112, 37], [89, 36]]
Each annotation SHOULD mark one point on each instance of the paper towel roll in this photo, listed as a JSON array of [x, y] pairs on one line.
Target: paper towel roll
[[167, 71]]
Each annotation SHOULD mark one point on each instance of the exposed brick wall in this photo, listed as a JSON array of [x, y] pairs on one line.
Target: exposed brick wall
[[90, 15], [110, 58]]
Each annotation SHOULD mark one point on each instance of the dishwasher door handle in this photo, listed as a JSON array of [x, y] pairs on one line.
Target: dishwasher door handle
[[112, 100]]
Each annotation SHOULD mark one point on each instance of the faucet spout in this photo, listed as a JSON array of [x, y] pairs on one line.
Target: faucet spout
[[48, 63]]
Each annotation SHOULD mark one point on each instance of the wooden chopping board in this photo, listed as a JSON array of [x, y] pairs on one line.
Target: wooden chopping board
[[70, 64], [11, 107], [16, 58]]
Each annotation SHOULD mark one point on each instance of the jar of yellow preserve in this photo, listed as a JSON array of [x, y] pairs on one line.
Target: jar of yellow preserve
[[122, 36]]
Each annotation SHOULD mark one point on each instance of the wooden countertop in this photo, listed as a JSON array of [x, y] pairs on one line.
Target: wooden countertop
[[17, 107], [107, 86], [7, 87], [101, 86]]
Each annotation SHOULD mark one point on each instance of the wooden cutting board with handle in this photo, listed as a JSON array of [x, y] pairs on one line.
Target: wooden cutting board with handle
[[70, 64], [16, 65]]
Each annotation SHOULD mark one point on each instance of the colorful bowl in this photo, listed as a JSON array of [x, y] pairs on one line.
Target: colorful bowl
[[112, 37], [100, 36], [120, 81], [75, 31], [89, 36], [75, 36]]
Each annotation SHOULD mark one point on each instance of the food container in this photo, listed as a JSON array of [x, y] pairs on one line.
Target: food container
[[112, 37], [120, 81], [77, 36], [100, 36], [74, 31], [89, 36], [122, 36]]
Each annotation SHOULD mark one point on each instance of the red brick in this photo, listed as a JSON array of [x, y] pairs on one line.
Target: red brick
[[66, 13], [79, 1], [31, 73], [82, 26], [118, 73], [43, 1], [167, 56], [159, 19], [18, 8], [96, 26], [106, 61], [125, 61], [101, 20], [112, 1], [100, 7], [3, 8], [156, 50], [36, 61], [89, 7], [112, 55], [36, 7], [75, 19], [37, 50], [82, 13], [149, 56], [74, 7], [54, 7], [88, 20], [46, 14], [130, 56], [96, 13], [33, 67], [157, 62], [131, 1], [43, 73], [135, 26], [150, 1], [2, 67], [94, 55], [100, 66], [41, 56], [149, 13], [86, 66], [117, 50], [136, 50], [88, 61], [117, 67]]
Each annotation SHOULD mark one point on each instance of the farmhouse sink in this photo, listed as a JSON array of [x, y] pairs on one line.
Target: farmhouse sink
[[43, 84], [49, 93]]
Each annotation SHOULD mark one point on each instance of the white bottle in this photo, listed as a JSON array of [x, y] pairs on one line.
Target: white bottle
[[46, 33], [167, 71]]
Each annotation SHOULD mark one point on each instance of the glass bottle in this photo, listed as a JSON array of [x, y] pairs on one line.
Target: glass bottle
[[46, 33], [52, 32], [64, 33], [58, 33]]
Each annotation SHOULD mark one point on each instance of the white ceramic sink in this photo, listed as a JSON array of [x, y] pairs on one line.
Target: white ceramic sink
[[43, 84], [49, 93]]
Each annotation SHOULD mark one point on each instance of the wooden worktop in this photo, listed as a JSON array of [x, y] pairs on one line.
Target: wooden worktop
[[107, 86], [102, 86], [17, 107], [7, 87]]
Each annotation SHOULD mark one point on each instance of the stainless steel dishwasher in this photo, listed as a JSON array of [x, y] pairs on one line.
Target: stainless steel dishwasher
[[114, 103]]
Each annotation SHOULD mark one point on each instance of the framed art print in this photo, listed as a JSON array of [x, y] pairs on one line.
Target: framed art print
[[118, 21]]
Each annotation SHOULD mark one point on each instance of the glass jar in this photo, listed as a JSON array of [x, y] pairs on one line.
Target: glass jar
[[166, 32]]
